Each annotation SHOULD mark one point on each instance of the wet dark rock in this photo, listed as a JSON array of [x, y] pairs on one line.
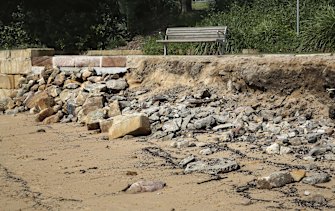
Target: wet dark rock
[[214, 166], [317, 178]]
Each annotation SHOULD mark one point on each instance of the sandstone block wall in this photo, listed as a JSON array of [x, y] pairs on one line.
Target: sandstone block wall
[[16, 63]]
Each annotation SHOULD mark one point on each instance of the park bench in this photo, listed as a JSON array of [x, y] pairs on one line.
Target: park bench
[[194, 34]]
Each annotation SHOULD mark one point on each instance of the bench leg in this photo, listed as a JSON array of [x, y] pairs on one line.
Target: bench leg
[[165, 49]]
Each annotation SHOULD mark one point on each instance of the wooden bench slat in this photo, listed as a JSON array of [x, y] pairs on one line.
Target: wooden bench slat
[[194, 40], [194, 34]]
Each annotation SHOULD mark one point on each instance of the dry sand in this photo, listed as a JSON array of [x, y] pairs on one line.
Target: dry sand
[[69, 168]]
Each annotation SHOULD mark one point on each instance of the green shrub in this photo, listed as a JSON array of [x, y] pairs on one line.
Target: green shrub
[[319, 33]]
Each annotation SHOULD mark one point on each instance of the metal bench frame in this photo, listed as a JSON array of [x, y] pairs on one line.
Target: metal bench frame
[[194, 34]]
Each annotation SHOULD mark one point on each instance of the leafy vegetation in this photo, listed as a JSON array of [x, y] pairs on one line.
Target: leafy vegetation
[[266, 25]]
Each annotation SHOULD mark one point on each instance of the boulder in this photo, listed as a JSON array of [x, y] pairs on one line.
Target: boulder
[[44, 103], [44, 114], [93, 119], [51, 119], [114, 109], [105, 124], [274, 180], [91, 104], [32, 101], [117, 85], [133, 124]]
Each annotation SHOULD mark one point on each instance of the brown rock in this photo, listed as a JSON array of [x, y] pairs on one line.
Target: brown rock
[[44, 114], [51, 119], [114, 61], [114, 109], [44, 103], [86, 73], [91, 104], [134, 124], [59, 80], [32, 101], [298, 175]]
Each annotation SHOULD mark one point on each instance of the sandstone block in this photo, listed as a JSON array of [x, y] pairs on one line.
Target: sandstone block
[[44, 114], [64, 61], [16, 66], [114, 61], [134, 124], [44, 103], [87, 61], [5, 54], [7, 81], [298, 175], [39, 52], [105, 125], [42, 61], [33, 100], [24, 53], [4, 93], [51, 119], [114, 109]]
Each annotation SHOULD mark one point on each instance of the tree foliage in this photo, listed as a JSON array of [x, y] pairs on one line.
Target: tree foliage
[[268, 25]]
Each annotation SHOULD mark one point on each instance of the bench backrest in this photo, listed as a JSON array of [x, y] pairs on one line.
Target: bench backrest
[[197, 33]]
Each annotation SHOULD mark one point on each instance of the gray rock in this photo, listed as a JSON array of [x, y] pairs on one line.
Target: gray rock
[[93, 119], [183, 143], [186, 120], [206, 151], [91, 104], [273, 149], [318, 199], [187, 160], [317, 178], [71, 86], [119, 84], [154, 117], [221, 119], [223, 126], [151, 110], [317, 151], [145, 186], [285, 150], [214, 166], [159, 134], [172, 125], [313, 137], [254, 127], [267, 115], [95, 87], [274, 180], [249, 110], [204, 123], [277, 119]]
